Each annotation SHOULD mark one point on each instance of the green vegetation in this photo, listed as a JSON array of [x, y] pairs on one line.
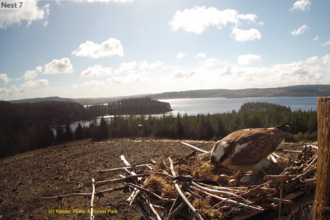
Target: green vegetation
[[131, 106]]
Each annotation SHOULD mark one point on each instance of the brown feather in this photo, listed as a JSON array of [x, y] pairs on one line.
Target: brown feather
[[261, 142]]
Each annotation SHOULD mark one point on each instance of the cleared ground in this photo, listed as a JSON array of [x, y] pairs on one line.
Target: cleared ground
[[69, 168]]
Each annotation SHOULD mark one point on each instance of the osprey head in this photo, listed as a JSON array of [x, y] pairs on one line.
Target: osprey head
[[219, 153]]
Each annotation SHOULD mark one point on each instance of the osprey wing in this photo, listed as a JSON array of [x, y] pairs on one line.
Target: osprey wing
[[254, 145]]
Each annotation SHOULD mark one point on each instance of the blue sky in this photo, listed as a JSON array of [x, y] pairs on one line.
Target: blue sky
[[83, 49]]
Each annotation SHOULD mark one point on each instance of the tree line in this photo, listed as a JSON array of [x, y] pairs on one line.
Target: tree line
[[217, 126]]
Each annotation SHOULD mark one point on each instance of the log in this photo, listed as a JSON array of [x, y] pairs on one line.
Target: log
[[322, 193]]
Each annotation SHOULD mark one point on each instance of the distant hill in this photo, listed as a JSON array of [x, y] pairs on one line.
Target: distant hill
[[293, 91], [33, 100]]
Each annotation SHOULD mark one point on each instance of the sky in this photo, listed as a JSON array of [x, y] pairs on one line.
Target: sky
[[109, 48]]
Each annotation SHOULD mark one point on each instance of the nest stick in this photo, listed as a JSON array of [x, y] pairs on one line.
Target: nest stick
[[92, 199], [309, 165], [218, 192], [143, 213], [224, 188], [231, 201], [196, 148], [280, 204], [121, 168], [149, 192], [122, 157], [195, 211], [104, 182], [153, 210], [176, 211]]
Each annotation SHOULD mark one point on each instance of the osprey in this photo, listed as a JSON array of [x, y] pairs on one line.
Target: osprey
[[247, 149]]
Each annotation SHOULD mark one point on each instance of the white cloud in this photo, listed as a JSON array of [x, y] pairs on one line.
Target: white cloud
[[326, 60], [109, 47], [126, 67], [31, 13], [301, 5], [248, 17], [247, 59], [300, 30], [59, 66], [39, 69], [212, 62], [30, 74], [31, 84], [3, 91], [13, 90], [227, 70], [74, 86], [200, 55], [327, 43], [197, 19], [93, 83], [96, 71], [246, 35], [180, 55], [313, 59], [145, 65], [4, 79], [183, 74], [131, 78], [316, 38]]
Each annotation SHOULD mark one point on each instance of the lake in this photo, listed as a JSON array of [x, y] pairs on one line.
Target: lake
[[193, 106]]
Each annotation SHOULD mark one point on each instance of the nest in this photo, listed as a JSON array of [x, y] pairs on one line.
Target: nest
[[191, 187]]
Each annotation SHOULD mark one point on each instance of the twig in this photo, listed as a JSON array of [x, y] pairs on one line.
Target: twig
[[237, 203], [153, 209], [121, 168], [149, 192], [224, 188], [197, 214], [196, 148], [218, 192], [177, 210], [104, 182], [280, 204], [92, 199], [142, 212], [309, 165]]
